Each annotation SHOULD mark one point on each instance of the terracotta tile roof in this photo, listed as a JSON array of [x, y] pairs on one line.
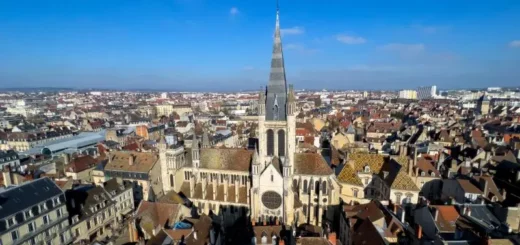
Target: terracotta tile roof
[[209, 192], [313, 241], [427, 167], [242, 195], [226, 159], [311, 164], [202, 226], [349, 176], [469, 187], [81, 164], [172, 197], [197, 192], [369, 211], [185, 189], [143, 162], [131, 147], [154, 214], [220, 193], [231, 193], [446, 217]]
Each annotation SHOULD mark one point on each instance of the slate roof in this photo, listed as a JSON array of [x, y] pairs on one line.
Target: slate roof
[[114, 188], [26, 195]]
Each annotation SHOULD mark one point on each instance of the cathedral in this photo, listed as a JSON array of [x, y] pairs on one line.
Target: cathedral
[[274, 183]]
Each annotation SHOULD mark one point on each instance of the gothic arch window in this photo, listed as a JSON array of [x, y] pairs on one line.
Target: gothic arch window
[[324, 187], [305, 186], [295, 183], [317, 187], [264, 238], [270, 142], [281, 142], [171, 180]]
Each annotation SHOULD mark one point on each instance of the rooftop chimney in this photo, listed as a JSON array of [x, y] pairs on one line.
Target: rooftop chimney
[[131, 160], [6, 174], [419, 231], [332, 238]]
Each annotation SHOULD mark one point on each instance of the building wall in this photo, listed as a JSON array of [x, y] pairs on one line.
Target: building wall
[[85, 175], [347, 193], [99, 227], [339, 140], [394, 196], [98, 177], [124, 204], [58, 225]]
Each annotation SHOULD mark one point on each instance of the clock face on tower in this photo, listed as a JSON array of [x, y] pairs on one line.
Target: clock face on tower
[[271, 200]]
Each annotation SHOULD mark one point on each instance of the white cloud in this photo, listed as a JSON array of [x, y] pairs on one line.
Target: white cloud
[[404, 49], [234, 11], [514, 44], [300, 48], [297, 30], [350, 39]]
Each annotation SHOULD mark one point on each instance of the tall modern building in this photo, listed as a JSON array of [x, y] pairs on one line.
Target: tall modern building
[[427, 92], [272, 183], [407, 94]]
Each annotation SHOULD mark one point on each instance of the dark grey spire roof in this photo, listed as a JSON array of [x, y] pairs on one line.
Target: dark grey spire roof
[[275, 107]]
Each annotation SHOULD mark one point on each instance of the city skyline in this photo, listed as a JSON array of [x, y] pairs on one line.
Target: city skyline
[[225, 45]]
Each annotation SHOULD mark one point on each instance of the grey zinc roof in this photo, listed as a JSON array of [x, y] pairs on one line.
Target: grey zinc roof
[[22, 197], [275, 106]]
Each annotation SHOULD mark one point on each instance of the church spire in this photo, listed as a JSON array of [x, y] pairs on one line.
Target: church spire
[[277, 88]]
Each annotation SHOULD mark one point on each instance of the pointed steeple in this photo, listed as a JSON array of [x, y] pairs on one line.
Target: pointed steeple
[[275, 108], [205, 140], [195, 142]]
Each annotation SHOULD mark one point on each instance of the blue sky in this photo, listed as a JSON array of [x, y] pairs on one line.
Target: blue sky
[[226, 45]]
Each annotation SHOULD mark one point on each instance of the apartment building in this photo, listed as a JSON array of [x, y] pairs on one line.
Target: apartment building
[[34, 213], [92, 213]]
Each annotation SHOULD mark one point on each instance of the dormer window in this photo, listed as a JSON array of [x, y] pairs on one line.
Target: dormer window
[[11, 221], [367, 169], [423, 173]]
